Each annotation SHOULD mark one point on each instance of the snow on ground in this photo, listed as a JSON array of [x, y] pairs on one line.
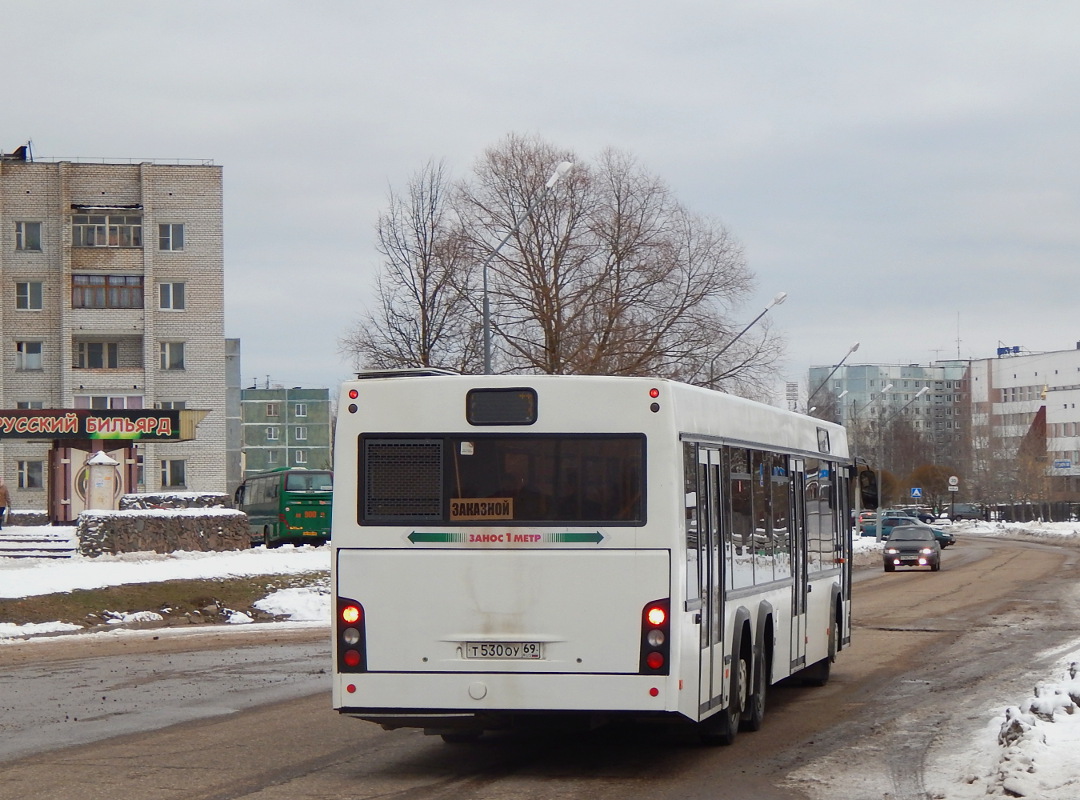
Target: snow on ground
[[1031, 748], [26, 577]]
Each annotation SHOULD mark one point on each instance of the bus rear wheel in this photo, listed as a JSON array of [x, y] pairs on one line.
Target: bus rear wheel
[[721, 728], [267, 541], [754, 714]]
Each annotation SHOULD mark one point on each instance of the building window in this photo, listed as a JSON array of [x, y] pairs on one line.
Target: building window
[[300, 410], [27, 355], [301, 433], [272, 410], [172, 355], [172, 473], [30, 404], [174, 404], [106, 291], [271, 456], [27, 235], [28, 296], [301, 456], [97, 355], [171, 236], [31, 474], [104, 401], [272, 434], [171, 296], [106, 230]]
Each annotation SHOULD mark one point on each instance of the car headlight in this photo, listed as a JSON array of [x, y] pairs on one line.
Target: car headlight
[[892, 551], [927, 551]]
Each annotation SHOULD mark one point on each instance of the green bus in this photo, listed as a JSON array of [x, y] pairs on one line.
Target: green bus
[[287, 505]]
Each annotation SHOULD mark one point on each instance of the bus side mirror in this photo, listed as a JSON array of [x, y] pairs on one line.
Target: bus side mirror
[[868, 489]]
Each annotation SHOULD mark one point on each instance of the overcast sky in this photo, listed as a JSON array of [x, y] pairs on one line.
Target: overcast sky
[[908, 172]]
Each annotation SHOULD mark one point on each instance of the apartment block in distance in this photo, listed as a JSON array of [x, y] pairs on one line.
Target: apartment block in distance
[[285, 428], [113, 298]]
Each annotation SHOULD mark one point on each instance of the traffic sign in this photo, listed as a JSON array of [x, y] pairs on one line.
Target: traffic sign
[[916, 493], [954, 481]]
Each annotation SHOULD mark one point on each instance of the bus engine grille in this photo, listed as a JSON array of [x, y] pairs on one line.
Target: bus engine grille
[[403, 479]]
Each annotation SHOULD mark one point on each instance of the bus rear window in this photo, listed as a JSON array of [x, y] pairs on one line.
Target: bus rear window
[[501, 407], [309, 482], [477, 480]]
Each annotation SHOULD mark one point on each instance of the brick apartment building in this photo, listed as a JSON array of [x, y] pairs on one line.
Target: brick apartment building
[[285, 428], [113, 298]]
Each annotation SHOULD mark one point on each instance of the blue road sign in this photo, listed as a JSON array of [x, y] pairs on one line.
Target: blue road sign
[[916, 493]]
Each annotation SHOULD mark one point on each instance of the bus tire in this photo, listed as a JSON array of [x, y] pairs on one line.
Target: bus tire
[[267, 540], [754, 714], [721, 728]]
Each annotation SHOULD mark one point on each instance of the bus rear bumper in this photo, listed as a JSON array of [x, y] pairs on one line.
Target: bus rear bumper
[[448, 699]]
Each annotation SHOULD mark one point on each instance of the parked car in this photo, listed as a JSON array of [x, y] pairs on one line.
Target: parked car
[[920, 513], [911, 546], [867, 516], [959, 511], [890, 521]]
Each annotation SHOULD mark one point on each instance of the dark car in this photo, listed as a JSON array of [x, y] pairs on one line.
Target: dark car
[[922, 514], [912, 546], [890, 521], [960, 511]]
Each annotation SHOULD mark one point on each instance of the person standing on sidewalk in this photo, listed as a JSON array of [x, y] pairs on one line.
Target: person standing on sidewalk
[[5, 502]]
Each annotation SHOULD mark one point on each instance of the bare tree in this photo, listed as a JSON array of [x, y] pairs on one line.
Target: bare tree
[[612, 276], [608, 275], [934, 481], [422, 319]]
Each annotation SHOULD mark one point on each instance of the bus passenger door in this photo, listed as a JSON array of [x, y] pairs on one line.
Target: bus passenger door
[[799, 568], [842, 548], [710, 588]]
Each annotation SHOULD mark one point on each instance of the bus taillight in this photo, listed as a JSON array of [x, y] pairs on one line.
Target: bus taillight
[[351, 636], [351, 614], [655, 637]]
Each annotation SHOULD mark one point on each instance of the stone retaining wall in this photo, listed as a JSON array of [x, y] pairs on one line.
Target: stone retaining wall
[[200, 530], [27, 518]]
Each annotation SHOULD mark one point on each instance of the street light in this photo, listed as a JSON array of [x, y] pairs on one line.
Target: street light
[[560, 171], [851, 350], [780, 298]]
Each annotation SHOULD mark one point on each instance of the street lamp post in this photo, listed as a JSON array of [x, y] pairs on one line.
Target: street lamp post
[[851, 350], [780, 298], [560, 171]]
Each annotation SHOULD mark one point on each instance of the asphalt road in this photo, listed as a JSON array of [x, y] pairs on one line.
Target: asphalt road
[[931, 653]]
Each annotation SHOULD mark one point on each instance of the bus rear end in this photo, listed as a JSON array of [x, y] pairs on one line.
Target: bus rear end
[[490, 565], [306, 505]]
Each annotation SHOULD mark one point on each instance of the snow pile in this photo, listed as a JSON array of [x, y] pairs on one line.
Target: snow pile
[[1038, 744]]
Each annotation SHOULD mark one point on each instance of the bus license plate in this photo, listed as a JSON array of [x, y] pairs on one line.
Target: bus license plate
[[504, 650]]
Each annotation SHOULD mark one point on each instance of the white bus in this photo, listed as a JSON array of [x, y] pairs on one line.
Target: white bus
[[511, 549]]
